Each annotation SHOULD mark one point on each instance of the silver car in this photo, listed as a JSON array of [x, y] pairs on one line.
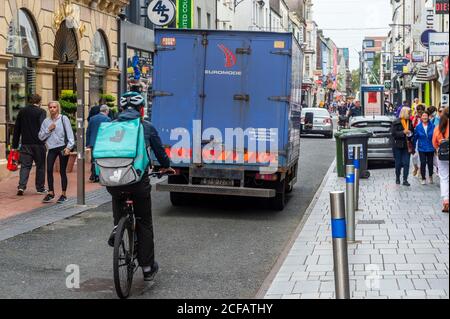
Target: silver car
[[380, 144], [316, 121]]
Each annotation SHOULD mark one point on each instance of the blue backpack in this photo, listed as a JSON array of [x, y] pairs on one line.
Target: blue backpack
[[120, 153]]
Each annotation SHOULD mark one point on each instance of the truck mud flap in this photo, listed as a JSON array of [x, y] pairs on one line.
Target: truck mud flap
[[215, 190]]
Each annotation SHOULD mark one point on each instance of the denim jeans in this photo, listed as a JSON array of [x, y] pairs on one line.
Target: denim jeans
[[402, 159]]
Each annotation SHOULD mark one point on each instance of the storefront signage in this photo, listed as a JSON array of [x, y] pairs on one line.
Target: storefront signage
[[441, 7], [425, 37], [399, 63], [161, 12], [417, 57], [185, 14], [438, 44]]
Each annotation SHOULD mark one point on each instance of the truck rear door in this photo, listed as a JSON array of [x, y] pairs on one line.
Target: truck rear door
[[246, 83], [177, 85]]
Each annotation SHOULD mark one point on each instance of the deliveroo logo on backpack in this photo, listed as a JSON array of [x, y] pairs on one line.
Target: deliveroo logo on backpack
[[116, 177], [118, 137]]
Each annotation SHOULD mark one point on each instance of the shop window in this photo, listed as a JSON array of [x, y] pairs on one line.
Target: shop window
[[100, 59], [99, 51], [22, 36], [23, 44], [66, 52]]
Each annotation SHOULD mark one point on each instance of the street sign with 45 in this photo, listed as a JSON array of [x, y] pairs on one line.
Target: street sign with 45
[[161, 12]]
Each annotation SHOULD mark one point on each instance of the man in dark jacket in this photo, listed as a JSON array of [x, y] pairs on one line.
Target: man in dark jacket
[[355, 110], [91, 135], [132, 104], [27, 128]]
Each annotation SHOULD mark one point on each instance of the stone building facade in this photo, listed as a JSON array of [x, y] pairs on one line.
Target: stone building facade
[[40, 42]]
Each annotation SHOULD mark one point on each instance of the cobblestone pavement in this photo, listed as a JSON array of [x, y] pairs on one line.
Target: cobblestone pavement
[[403, 250]]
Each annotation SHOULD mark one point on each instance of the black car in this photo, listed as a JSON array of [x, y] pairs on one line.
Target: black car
[[380, 144]]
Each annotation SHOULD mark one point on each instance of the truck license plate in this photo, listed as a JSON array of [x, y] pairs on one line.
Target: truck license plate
[[217, 182]]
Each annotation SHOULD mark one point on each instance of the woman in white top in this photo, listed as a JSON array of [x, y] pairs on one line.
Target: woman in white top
[[57, 133]]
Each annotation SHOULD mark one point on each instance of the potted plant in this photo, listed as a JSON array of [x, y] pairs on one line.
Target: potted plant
[[68, 101]]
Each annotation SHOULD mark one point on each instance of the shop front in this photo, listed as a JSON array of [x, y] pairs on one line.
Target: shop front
[[137, 45], [23, 46], [40, 45]]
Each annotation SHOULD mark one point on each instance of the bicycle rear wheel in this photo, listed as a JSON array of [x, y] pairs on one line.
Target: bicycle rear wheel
[[123, 261]]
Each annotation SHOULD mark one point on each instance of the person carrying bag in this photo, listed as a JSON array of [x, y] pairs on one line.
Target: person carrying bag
[[440, 142], [57, 133], [402, 132]]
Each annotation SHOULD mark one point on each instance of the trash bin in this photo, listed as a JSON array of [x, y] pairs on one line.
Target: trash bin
[[345, 141]]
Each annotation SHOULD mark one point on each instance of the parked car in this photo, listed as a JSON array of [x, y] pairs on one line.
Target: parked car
[[316, 121], [380, 144]]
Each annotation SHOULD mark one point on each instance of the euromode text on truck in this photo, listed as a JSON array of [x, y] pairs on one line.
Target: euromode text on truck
[[227, 105]]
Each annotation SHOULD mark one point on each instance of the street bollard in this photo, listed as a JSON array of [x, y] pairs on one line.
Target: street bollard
[[350, 202], [340, 253], [357, 164]]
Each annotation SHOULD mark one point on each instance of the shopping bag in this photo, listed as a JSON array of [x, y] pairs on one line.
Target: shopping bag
[[13, 161]]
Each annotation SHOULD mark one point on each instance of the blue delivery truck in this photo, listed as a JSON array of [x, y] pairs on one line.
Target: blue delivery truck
[[227, 105]]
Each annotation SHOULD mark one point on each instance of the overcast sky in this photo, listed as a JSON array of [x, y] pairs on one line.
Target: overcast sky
[[360, 15]]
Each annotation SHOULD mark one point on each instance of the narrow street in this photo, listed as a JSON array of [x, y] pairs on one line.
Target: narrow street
[[219, 248]]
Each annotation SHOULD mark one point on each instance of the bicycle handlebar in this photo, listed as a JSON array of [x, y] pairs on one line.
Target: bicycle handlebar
[[158, 174]]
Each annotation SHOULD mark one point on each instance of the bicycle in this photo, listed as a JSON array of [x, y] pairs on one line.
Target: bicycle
[[125, 262]]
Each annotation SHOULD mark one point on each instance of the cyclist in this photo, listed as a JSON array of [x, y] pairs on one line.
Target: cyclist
[[132, 104]]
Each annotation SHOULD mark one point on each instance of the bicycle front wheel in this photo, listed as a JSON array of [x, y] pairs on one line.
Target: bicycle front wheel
[[123, 261]]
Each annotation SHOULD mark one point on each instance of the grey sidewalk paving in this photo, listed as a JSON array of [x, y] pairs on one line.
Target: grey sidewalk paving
[[37, 218], [404, 249]]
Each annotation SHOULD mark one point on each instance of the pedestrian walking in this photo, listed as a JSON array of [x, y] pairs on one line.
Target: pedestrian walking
[[91, 136], [423, 140], [400, 107], [403, 132], [94, 110], [57, 133], [32, 149], [416, 102], [434, 118], [440, 138], [416, 119]]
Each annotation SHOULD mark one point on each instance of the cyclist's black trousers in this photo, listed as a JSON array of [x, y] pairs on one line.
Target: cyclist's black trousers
[[143, 212]]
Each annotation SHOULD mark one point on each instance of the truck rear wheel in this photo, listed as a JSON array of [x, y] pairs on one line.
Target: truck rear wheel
[[279, 201], [177, 199]]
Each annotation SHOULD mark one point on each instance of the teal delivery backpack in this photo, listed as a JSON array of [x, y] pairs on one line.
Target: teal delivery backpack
[[120, 153]]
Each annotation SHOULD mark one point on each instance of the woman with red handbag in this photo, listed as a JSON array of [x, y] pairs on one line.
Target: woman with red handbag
[[402, 131]]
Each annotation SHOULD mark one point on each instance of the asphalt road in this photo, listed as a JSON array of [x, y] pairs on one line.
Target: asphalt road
[[219, 248]]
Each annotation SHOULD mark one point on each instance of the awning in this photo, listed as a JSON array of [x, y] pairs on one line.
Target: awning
[[421, 76], [425, 74]]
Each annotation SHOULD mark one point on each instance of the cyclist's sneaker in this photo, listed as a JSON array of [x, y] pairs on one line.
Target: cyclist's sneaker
[[42, 192], [20, 192], [62, 199], [48, 198], [150, 275], [112, 236]]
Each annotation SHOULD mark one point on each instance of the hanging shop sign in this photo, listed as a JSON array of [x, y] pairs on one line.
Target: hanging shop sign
[[425, 37], [441, 7], [438, 44], [185, 14], [418, 57], [161, 12], [399, 62]]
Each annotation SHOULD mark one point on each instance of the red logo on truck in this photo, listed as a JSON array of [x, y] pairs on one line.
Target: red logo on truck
[[230, 58]]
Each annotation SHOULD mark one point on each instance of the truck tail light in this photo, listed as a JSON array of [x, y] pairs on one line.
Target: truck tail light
[[266, 177], [302, 120], [327, 121]]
